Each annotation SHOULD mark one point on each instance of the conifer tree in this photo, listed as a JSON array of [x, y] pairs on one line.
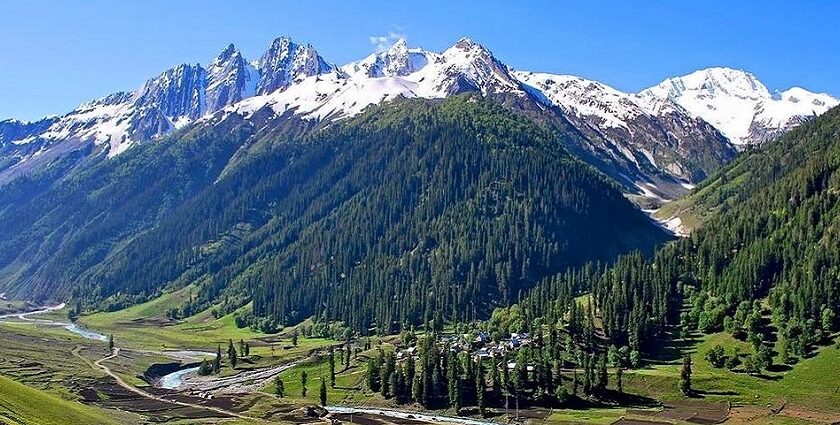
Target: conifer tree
[[323, 392], [685, 376], [332, 367], [279, 388], [217, 362], [231, 354], [479, 387], [303, 379]]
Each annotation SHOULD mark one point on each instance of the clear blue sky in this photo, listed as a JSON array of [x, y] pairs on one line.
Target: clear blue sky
[[57, 54]]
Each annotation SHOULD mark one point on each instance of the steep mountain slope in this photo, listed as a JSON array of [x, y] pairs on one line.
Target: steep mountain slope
[[664, 150], [460, 199], [61, 221], [738, 104]]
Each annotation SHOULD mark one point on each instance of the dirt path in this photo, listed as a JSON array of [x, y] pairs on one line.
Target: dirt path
[[98, 364]]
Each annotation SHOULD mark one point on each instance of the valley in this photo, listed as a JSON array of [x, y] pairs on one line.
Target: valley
[[416, 236], [123, 386]]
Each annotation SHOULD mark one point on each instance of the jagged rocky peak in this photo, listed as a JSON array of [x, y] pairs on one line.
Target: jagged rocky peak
[[287, 62], [177, 92], [230, 78]]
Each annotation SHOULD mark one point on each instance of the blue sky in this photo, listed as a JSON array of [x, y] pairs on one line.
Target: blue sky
[[57, 54]]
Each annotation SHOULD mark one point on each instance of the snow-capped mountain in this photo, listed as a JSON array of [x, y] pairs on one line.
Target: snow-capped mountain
[[398, 61], [660, 141], [286, 63], [639, 140], [738, 104], [171, 100], [398, 72]]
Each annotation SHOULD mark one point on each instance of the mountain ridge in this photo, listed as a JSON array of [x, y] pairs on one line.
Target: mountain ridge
[[652, 143]]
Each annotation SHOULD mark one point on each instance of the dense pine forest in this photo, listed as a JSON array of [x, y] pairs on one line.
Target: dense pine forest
[[416, 213], [769, 245], [404, 216]]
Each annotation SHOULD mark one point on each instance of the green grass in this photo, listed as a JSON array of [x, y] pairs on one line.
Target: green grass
[[11, 306], [602, 416], [349, 387], [144, 326], [809, 384], [20, 404], [153, 308]]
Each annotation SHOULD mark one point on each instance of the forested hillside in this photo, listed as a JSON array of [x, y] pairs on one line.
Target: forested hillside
[[60, 222], [416, 211], [771, 239]]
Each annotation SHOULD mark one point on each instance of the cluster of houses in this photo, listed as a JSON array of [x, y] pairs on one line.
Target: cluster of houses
[[480, 346]]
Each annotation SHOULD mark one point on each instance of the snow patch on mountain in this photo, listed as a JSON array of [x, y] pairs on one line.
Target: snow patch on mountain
[[582, 97]]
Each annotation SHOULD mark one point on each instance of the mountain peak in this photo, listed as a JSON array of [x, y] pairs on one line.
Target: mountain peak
[[399, 45], [465, 43], [229, 51], [176, 92], [477, 64], [230, 78], [286, 62], [397, 61], [715, 81], [738, 104]]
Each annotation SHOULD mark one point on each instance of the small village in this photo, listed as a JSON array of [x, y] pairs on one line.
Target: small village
[[480, 346]]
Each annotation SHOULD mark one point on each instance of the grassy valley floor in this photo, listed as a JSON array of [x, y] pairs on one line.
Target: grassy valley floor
[[44, 382]]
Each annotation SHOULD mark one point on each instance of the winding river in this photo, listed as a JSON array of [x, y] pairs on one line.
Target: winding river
[[175, 380], [72, 327], [169, 381]]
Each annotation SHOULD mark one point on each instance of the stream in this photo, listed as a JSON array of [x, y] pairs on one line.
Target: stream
[[169, 381], [72, 327], [408, 415]]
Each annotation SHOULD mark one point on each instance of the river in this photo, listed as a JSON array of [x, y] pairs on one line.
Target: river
[[72, 327], [173, 381], [408, 415]]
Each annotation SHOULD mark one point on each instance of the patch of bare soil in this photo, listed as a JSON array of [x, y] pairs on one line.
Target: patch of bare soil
[[693, 411], [758, 414], [149, 321], [106, 393], [809, 415], [698, 412]]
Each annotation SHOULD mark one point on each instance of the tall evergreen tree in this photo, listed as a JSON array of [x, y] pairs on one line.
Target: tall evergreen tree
[[322, 392], [685, 376], [232, 359]]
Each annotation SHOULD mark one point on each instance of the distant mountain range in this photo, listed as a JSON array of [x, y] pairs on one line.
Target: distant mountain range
[[657, 142]]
